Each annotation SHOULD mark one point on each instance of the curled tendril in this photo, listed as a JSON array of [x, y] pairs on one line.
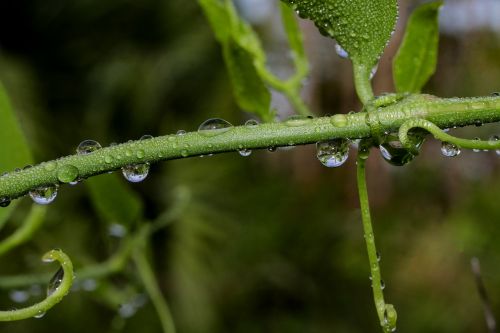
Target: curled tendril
[[442, 136], [55, 297]]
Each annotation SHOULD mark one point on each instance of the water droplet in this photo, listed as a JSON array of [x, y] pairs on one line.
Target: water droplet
[[140, 153], [476, 150], [50, 166], [339, 120], [373, 71], [55, 282], [44, 195], [4, 201], [378, 257], [244, 152], [108, 159], [19, 296], [394, 153], [67, 173], [449, 149], [495, 94], [251, 123], [87, 147], [341, 52], [136, 172], [214, 126], [333, 153], [181, 132], [146, 137], [271, 149], [39, 315], [296, 121], [27, 167], [382, 284], [184, 153]]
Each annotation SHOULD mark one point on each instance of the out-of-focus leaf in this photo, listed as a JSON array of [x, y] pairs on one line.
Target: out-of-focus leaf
[[114, 201], [361, 27], [218, 17], [416, 59], [292, 31], [14, 151], [250, 92]]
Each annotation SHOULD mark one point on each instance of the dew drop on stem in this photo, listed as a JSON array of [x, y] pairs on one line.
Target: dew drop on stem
[[333, 153], [67, 173], [135, 173], [251, 123], [449, 149], [44, 195], [476, 150], [55, 281], [341, 52], [245, 152], [87, 146], [180, 132], [4, 202], [39, 315], [493, 141], [214, 126]]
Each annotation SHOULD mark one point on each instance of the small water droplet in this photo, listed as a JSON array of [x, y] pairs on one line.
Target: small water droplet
[[87, 146], [373, 71], [382, 284], [244, 152], [251, 123], [271, 149], [339, 120], [476, 150], [39, 315], [341, 52], [67, 173], [180, 132], [55, 281], [50, 166], [333, 153], [296, 121], [44, 195], [378, 257], [214, 126], [27, 167], [136, 172], [140, 153], [4, 201], [184, 153], [449, 149], [495, 94], [108, 159], [146, 137]]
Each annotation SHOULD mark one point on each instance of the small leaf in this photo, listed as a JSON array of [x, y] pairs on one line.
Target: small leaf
[[416, 59], [361, 27], [114, 201], [14, 151], [249, 90]]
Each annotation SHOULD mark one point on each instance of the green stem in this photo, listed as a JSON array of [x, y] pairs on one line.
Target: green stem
[[442, 112], [385, 312], [40, 308], [150, 283], [441, 135], [362, 82], [30, 225]]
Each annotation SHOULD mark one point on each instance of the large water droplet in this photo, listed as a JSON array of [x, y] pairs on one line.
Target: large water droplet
[[4, 201], [296, 121], [55, 281], [67, 173], [245, 152], [44, 195], [214, 126], [87, 147], [449, 149], [333, 153], [136, 172], [341, 52]]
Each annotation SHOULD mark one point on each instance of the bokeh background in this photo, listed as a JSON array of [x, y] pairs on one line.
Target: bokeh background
[[269, 243]]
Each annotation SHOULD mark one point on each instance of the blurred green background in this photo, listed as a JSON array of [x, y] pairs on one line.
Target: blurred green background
[[268, 243]]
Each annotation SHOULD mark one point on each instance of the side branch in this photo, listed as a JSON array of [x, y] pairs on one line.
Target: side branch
[[442, 112]]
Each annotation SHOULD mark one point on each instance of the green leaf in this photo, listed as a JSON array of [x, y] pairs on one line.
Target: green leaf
[[416, 59], [113, 200], [249, 90], [361, 27], [14, 151], [218, 17]]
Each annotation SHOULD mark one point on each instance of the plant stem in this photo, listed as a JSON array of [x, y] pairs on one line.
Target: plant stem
[[362, 82], [57, 295], [150, 283], [443, 113]]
